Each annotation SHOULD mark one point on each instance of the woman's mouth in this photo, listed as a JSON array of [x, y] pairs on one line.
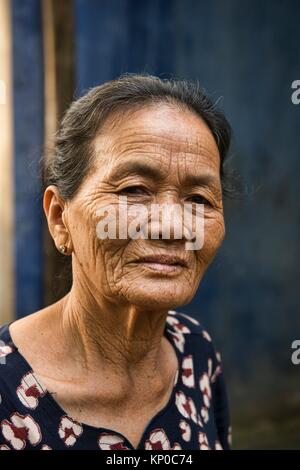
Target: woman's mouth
[[163, 263]]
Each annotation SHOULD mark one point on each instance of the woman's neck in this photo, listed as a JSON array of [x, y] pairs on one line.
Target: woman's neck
[[126, 339], [109, 352]]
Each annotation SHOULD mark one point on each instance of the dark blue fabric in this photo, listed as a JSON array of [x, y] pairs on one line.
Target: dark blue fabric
[[195, 417]]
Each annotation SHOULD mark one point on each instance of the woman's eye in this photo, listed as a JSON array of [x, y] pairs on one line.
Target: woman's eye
[[134, 190], [200, 200]]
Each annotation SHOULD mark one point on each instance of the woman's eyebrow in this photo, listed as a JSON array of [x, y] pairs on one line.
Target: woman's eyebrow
[[135, 167], [149, 171], [205, 179]]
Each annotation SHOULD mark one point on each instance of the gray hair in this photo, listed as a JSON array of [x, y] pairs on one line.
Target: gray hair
[[72, 158]]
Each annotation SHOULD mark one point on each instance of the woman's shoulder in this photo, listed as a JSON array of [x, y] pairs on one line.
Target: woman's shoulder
[[7, 347], [20, 389], [185, 324], [194, 341], [13, 367]]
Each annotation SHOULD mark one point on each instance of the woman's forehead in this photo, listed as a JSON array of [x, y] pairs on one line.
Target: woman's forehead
[[188, 170], [164, 134]]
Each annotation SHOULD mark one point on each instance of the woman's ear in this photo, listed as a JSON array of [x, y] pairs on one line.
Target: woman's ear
[[54, 207]]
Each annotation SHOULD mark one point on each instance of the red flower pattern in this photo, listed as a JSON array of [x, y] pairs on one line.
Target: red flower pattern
[[20, 430]]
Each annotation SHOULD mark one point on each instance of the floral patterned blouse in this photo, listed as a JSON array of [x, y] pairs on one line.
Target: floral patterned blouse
[[195, 417]]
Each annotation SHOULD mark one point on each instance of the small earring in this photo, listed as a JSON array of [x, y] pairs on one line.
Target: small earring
[[63, 249]]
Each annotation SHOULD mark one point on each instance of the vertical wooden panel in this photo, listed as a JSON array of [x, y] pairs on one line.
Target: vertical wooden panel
[[6, 171], [58, 33]]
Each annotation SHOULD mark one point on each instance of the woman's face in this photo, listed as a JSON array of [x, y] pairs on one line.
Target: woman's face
[[176, 146]]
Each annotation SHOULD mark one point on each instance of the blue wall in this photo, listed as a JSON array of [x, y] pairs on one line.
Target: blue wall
[[248, 52], [28, 143]]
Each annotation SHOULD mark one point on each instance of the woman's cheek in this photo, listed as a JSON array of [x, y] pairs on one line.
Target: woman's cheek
[[214, 233]]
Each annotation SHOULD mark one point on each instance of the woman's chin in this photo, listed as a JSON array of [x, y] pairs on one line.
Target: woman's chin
[[163, 298]]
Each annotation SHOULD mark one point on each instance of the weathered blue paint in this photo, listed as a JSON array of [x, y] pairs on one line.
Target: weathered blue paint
[[122, 36], [247, 52], [28, 141]]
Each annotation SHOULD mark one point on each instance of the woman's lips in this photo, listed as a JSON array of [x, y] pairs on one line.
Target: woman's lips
[[163, 263], [162, 267]]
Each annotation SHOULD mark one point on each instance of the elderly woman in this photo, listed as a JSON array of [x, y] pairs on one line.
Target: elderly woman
[[113, 364]]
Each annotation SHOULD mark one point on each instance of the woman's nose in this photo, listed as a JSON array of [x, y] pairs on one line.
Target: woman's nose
[[173, 219], [166, 217]]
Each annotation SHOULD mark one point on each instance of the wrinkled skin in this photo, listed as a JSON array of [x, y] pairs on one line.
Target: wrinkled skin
[[109, 328], [177, 147]]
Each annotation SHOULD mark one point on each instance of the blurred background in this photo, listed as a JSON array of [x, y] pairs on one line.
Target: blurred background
[[247, 52]]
